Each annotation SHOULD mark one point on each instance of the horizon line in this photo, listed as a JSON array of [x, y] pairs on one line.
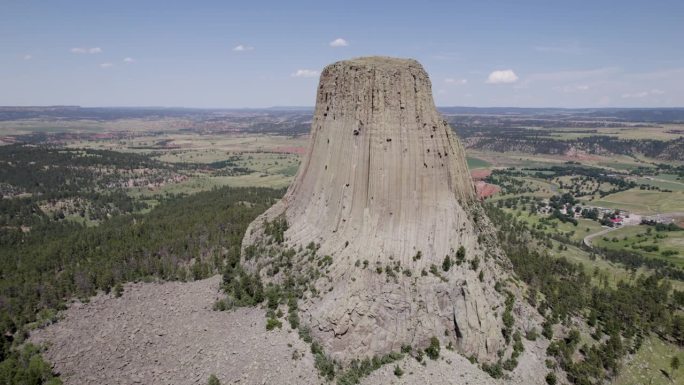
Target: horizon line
[[313, 107]]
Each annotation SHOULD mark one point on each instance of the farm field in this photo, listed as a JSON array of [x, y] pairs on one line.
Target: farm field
[[662, 183], [474, 163], [527, 160], [32, 126], [664, 132], [666, 245], [262, 160], [645, 202]]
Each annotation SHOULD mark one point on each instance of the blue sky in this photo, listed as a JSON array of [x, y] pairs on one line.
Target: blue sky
[[599, 53]]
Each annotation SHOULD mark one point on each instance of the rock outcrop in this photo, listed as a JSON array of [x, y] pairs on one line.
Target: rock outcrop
[[383, 196]]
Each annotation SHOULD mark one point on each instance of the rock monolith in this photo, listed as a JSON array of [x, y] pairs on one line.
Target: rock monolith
[[380, 232]]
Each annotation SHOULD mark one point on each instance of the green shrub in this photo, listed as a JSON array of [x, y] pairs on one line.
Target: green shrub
[[398, 371], [460, 255], [547, 329], [446, 264], [493, 370], [272, 323], [432, 351], [220, 305], [510, 364], [276, 229], [293, 318], [213, 380], [325, 365], [305, 334], [551, 378], [118, 290]]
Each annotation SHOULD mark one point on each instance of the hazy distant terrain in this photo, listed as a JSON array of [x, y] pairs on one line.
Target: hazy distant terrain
[[654, 133]]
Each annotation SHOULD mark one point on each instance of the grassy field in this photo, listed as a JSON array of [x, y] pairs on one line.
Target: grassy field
[[203, 183], [477, 163], [554, 226], [28, 126], [540, 188], [670, 177], [520, 160], [651, 365], [272, 159], [645, 202], [633, 237], [599, 269], [659, 132], [662, 183], [197, 148]]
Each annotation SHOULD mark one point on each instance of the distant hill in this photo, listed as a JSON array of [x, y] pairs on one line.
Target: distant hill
[[651, 115]]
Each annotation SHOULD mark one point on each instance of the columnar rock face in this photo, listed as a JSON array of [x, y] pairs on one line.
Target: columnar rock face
[[381, 198]]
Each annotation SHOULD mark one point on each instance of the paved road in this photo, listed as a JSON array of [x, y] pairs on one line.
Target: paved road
[[632, 220], [588, 238]]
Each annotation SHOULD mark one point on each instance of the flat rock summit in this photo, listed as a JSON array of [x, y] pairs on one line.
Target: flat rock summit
[[382, 222]]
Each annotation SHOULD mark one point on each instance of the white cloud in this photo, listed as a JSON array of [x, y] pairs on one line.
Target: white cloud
[[339, 42], [106, 65], [81, 50], [242, 48], [457, 82], [128, 60], [304, 73], [28, 57], [502, 77], [642, 94]]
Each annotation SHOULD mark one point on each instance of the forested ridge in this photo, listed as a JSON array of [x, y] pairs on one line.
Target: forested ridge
[[185, 237], [597, 144], [91, 181], [541, 136]]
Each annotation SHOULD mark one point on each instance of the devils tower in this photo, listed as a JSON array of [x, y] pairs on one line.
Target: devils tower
[[380, 230]]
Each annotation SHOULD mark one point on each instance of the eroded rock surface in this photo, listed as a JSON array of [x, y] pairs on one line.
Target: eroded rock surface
[[169, 334], [382, 197], [160, 334]]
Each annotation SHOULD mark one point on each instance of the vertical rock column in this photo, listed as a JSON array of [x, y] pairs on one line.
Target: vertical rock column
[[385, 180]]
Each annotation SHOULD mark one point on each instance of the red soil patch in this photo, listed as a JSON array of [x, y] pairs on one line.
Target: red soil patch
[[480, 174], [485, 190]]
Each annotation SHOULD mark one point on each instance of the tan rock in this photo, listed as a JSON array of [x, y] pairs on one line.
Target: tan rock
[[383, 179]]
